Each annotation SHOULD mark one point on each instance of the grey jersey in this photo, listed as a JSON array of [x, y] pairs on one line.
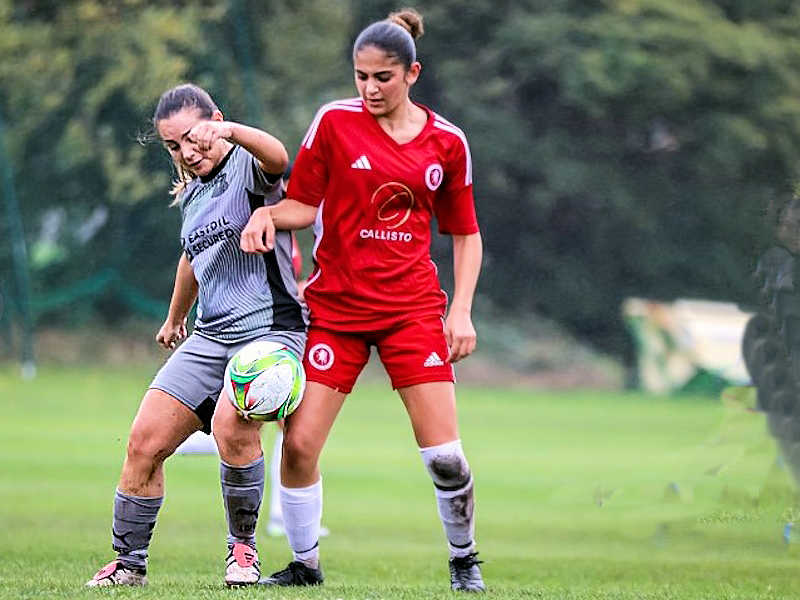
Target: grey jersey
[[241, 295]]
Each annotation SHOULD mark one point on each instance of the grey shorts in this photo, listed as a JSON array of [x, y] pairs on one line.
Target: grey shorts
[[194, 372]]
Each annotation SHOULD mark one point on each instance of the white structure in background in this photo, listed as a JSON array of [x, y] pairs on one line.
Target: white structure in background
[[198, 443], [676, 340]]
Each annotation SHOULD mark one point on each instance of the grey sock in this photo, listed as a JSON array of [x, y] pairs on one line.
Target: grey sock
[[134, 520], [242, 490]]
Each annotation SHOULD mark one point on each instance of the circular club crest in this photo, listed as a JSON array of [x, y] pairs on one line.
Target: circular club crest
[[434, 175], [321, 357]]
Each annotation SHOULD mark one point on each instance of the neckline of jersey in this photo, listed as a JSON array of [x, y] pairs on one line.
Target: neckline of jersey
[[412, 141], [221, 165]]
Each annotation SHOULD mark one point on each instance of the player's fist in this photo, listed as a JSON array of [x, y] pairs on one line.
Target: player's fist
[[206, 133], [171, 334], [258, 236], [460, 334]]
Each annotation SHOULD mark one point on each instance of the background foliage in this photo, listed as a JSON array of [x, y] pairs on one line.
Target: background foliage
[[621, 147]]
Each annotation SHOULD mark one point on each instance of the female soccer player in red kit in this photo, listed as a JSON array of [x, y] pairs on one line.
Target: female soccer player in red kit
[[371, 173]]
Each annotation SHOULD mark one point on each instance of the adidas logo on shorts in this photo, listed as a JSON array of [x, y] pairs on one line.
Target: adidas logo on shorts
[[433, 360]]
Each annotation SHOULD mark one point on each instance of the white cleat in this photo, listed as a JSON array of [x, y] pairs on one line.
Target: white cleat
[[242, 566], [115, 573]]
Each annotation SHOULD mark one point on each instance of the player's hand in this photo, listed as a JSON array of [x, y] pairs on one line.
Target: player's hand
[[460, 334], [171, 334], [206, 133], [258, 236]]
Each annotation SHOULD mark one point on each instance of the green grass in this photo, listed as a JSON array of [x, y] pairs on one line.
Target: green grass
[[580, 495]]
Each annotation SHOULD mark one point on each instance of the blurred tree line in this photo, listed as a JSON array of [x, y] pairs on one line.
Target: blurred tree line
[[620, 147]]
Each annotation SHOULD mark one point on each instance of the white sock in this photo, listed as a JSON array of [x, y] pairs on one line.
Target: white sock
[[302, 513], [275, 512], [457, 513], [449, 470]]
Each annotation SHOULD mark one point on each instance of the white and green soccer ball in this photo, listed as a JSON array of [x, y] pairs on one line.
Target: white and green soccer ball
[[264, 381]]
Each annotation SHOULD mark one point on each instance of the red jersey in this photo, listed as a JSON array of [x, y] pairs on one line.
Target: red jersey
[[376, 198]]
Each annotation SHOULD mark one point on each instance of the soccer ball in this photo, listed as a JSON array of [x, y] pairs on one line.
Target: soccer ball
[[264, 381]]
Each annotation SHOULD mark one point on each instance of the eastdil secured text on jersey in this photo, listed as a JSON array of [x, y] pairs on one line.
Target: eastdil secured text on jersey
[[206, 229]]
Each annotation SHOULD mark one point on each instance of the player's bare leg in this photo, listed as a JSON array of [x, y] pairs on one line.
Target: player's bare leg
[[160, 426], [432, 410], [305, 433]]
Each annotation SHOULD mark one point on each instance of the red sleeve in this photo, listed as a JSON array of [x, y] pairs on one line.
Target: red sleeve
[[309, 177], [455, 205]]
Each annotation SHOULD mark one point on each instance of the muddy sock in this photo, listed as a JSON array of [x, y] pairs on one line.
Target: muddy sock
[[132, 528], [242, 489]]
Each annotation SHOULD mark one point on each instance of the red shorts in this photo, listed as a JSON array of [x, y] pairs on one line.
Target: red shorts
[[412, 352]]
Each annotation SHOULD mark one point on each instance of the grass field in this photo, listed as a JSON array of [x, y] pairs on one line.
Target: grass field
[[581, 495]]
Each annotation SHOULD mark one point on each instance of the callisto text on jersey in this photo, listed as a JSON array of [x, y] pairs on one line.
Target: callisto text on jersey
[[383, 234]]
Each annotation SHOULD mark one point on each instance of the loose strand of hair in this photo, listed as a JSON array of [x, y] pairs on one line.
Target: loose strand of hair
[[179, 184]]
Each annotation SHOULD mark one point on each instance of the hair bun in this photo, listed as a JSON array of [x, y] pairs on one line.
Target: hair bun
[[410, 20]]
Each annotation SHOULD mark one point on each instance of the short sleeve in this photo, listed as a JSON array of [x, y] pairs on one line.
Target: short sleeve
[[455, 205], [257, 180], [309, 178]]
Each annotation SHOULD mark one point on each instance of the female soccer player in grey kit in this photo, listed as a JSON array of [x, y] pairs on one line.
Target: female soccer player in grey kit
[[225, 171]]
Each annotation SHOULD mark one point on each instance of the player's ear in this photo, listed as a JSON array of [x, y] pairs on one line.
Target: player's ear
[[217, 116], [412, 74]]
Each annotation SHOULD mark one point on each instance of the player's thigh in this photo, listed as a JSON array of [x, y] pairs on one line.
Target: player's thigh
[[332, 363], [414, 355], [229, 424], [307, 428], [226, 419], [194, 374], [238, 440], [415, 352], [162, 423], [431, 408]]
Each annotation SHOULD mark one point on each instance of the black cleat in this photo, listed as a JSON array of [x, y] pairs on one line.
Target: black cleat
[[465, 574], [296, 574]]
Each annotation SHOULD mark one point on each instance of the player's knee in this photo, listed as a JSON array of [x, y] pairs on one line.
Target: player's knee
[[145, 449], [234, 447], [447, 465]]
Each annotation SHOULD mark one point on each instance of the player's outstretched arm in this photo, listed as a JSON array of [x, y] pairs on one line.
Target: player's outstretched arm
[[458, 329], [183, 296], [269, 150], [258, 235]]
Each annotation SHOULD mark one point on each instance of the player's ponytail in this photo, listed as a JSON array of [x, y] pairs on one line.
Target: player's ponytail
[[187, 95], [395, 35]]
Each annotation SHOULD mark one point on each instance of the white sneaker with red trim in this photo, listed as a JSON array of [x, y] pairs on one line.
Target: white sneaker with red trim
[[242, 566]]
